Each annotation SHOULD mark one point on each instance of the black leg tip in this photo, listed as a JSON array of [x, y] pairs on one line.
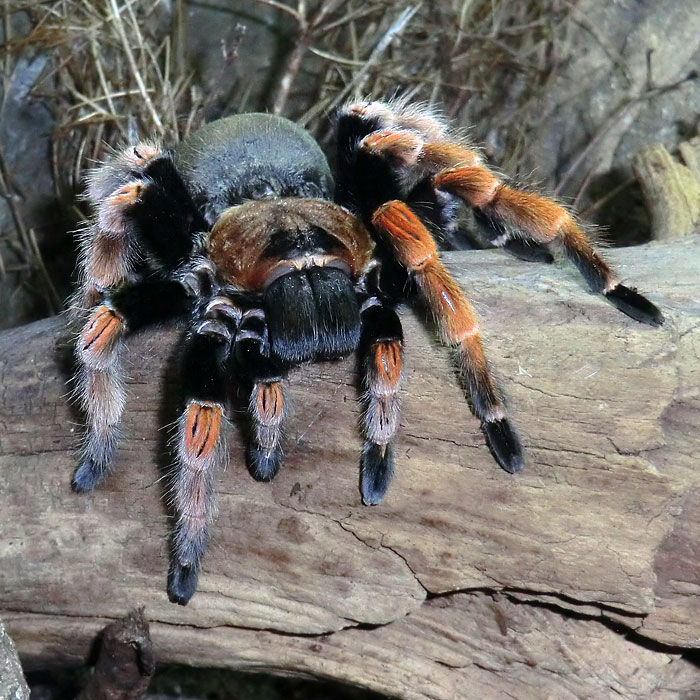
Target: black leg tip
[[182, 583], [87, 476], [638, 307], [376, 473], [504, 444], [263, 465]]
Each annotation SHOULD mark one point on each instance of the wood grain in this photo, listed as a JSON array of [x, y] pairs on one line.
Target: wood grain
[[578, 577]]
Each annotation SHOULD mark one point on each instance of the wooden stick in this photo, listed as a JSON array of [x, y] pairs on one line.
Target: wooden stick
[[125, 662], [671, 190]]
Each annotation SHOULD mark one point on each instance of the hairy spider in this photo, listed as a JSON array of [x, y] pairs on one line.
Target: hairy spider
[[241, 230]]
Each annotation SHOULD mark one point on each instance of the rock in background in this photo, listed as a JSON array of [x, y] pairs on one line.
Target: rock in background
[[12, 683]]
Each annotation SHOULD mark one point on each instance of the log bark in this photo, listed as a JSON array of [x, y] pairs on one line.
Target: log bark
[[578, 577]]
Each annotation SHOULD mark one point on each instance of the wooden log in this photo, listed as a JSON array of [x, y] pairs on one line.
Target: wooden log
[[578, 577]]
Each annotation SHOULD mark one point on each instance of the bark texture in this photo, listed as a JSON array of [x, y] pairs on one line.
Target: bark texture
[[578, 577]]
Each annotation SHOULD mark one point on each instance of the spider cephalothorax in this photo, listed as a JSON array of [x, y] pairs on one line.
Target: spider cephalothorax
[[240, 231]]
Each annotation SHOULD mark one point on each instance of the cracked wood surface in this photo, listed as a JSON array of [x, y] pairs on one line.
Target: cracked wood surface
[[465, 574]]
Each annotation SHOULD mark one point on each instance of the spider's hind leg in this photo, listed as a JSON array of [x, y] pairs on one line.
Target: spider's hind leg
[[544, 222]]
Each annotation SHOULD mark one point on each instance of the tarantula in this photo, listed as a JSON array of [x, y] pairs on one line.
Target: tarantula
[[242, 231]]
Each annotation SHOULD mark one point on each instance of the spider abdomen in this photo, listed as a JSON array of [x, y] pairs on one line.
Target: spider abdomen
[[251, 157]]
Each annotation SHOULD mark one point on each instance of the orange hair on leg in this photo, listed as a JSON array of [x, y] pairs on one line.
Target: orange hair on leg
[[543, 221], [381, 352], [456, 320]]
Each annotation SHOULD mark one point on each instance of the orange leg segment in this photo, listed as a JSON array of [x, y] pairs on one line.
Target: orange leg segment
[[405, 146], [269, 402], [201, 451], [267, 409], [543, 221], [99, 338], [386, 366], [202, 428], [415, 248], [382, 378], [99, 387], [381, 350]]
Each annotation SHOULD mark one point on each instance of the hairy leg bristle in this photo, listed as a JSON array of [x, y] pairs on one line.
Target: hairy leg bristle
[[201, 453], [267, 411]]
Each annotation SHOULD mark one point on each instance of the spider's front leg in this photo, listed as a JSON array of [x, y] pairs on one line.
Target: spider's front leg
[[201, 449], [381, 352], [99, 382], [415, 248]]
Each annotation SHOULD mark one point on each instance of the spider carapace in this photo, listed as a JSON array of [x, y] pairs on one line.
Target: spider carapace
[[243, 231]]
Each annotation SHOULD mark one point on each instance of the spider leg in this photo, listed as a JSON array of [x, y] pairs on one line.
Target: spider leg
[[500, 236], [267, 404], [406, 149], [165, 215], [108, 251], [409, 144], [543, 221], [122, 190], [267, 408], [142, 208], [381, 350], [415, 248], [363, 181], [201, 448], [100, 389], [99, 378]]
